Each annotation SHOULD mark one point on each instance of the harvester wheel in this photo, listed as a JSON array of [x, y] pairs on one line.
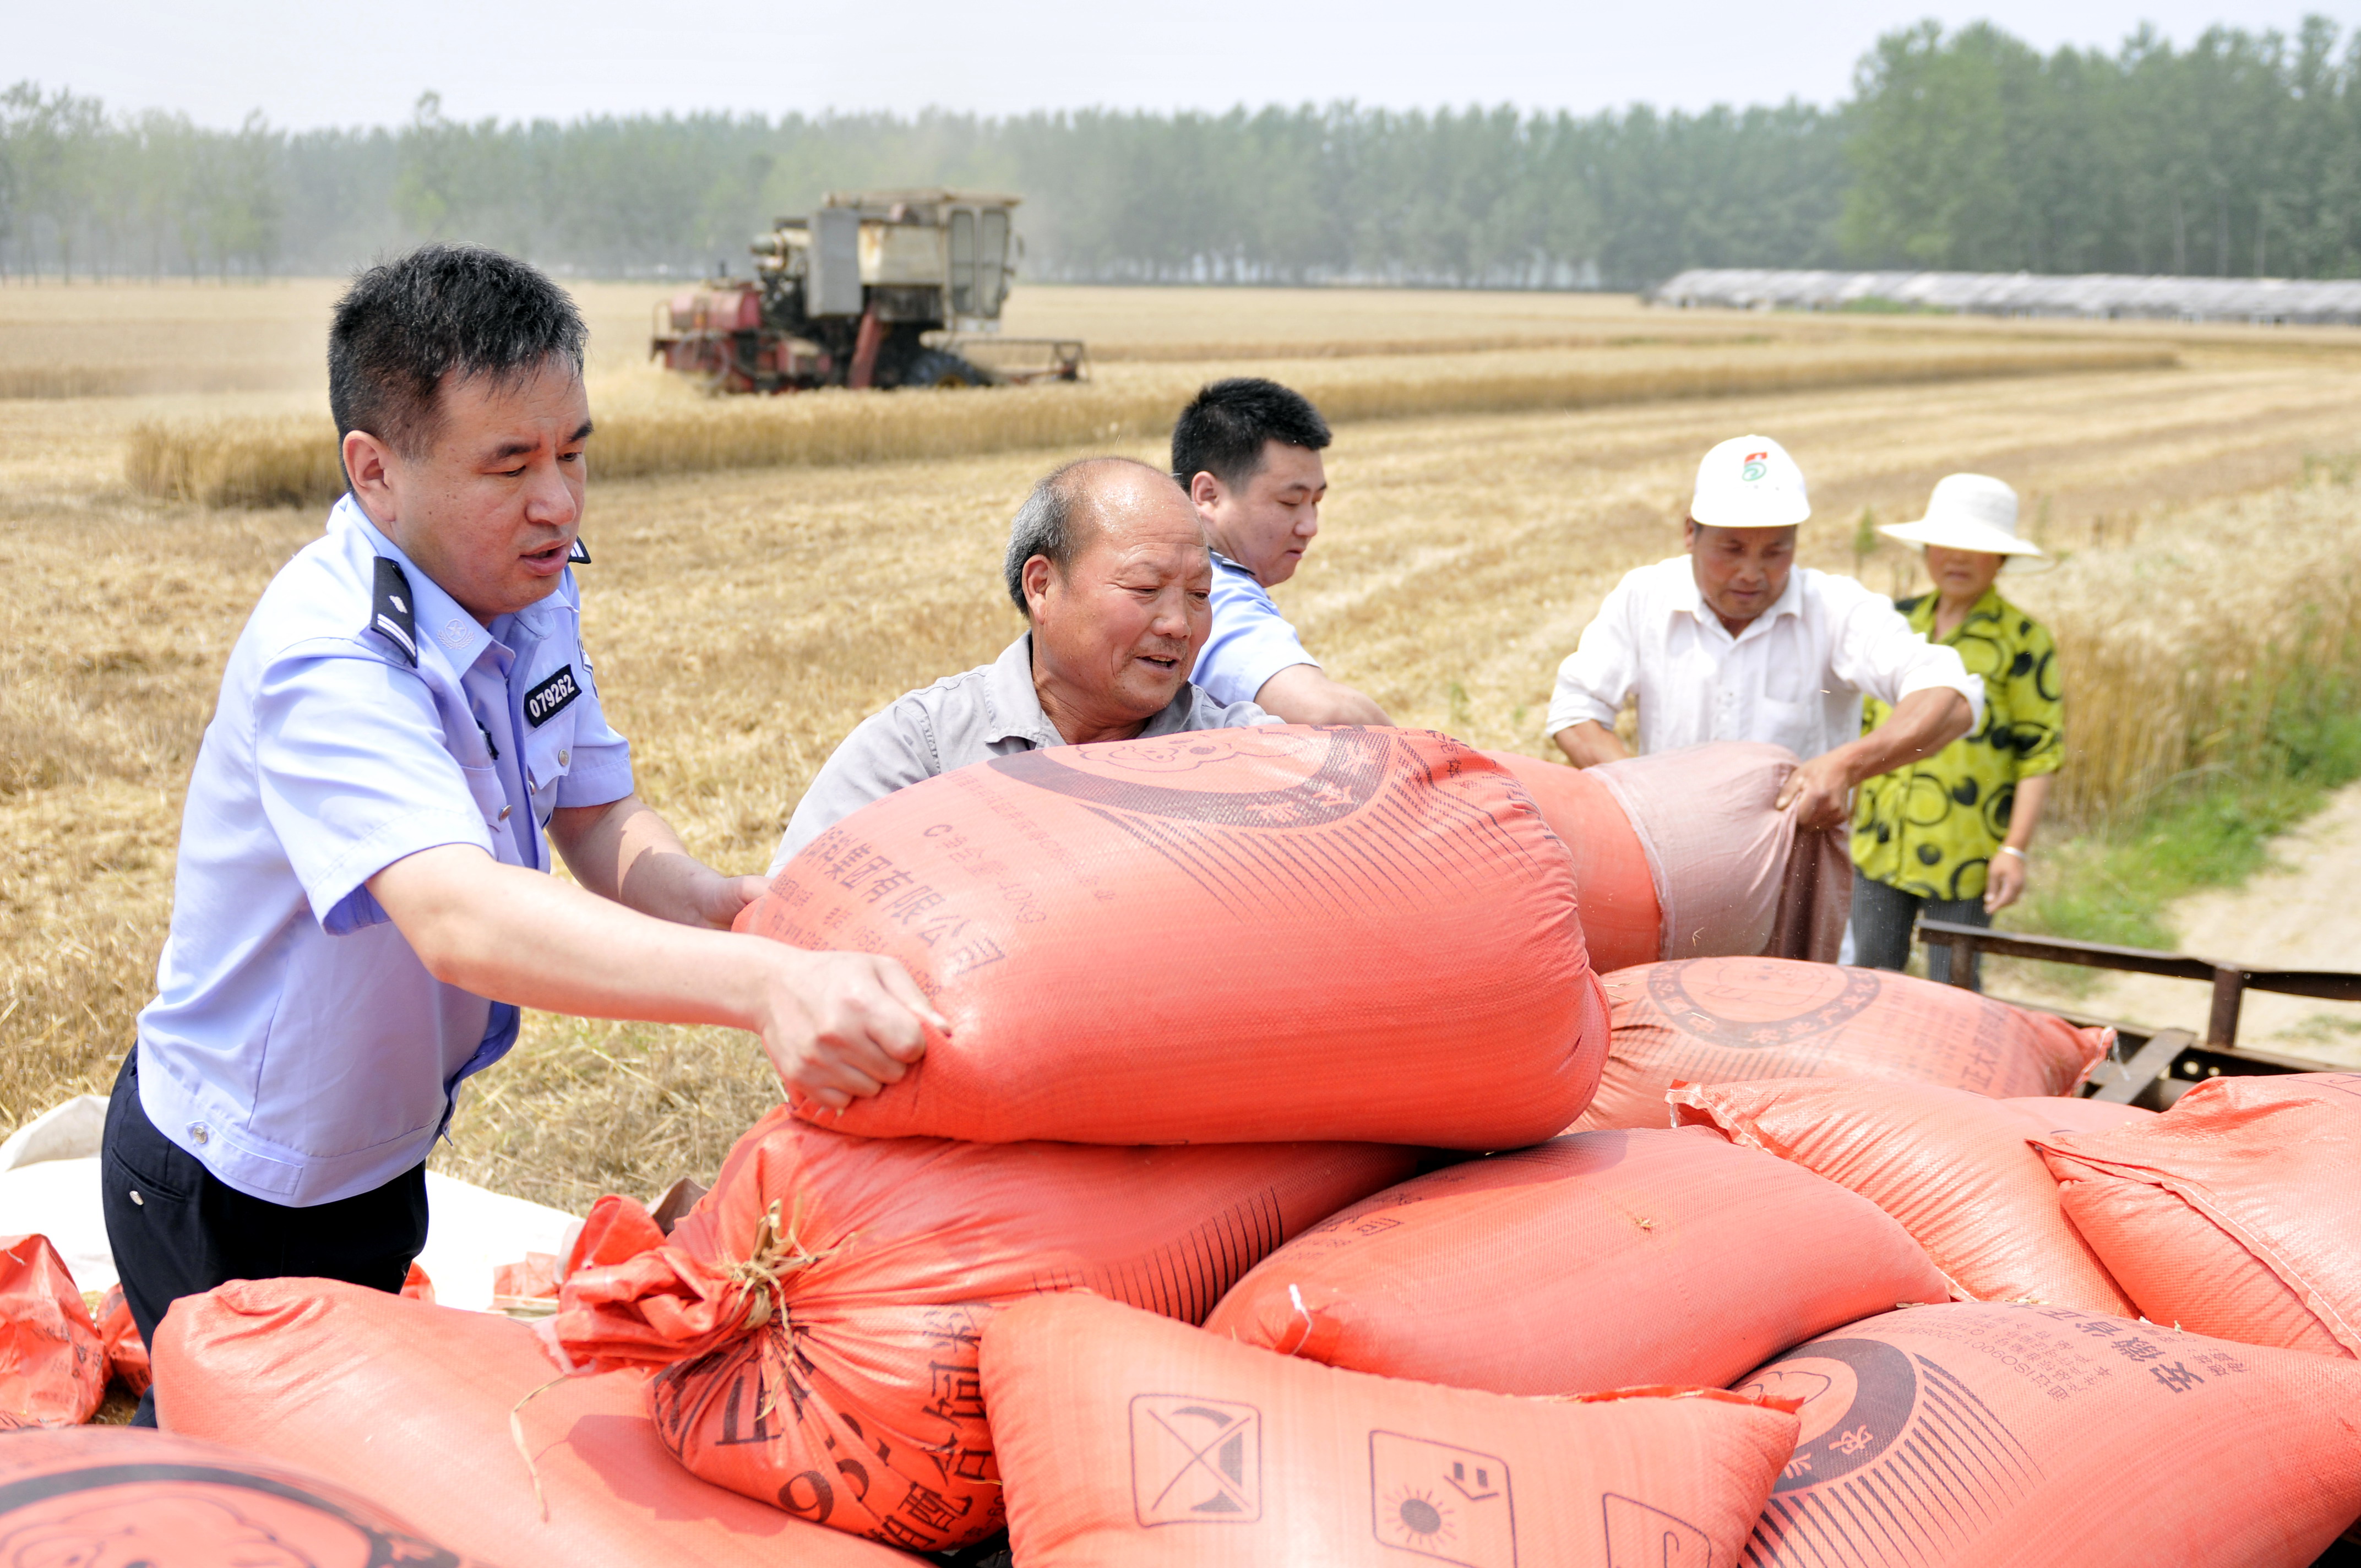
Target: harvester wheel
[[934, 368]]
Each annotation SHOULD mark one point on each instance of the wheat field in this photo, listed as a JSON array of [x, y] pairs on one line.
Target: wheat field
[[653, 424], [745, 618], [87, 339]]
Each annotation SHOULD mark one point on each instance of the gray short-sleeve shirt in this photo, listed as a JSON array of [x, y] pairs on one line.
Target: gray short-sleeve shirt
[[989, 711]]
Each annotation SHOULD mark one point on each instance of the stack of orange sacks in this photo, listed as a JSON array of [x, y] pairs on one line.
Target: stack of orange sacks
[[1293, 1035]]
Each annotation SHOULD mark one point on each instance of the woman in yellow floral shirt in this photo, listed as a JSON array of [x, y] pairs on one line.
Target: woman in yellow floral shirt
[[1948, 836]]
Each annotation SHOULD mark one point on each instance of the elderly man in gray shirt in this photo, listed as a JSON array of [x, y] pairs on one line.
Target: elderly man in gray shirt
[[1108, 559]]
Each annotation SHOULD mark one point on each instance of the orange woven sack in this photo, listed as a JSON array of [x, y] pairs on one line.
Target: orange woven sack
[[1731, 1020], [1989, 1434], [1686, 854], [2237, 1212], [126, 1352], [1595, 1261], [1129, 1441], [1613, 890], [1957, 1169], [1236, 935], [117, 1498], [53, 1366], [815, 1313], [412, 1403], [2071, 1114]]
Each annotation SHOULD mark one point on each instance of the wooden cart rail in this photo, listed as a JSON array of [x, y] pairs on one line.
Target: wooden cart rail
[[2162, 1063]]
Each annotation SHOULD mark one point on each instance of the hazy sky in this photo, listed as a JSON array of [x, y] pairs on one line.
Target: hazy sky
[[305, 63]]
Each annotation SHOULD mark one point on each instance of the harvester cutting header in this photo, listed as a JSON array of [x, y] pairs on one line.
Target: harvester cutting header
[[876, 288]]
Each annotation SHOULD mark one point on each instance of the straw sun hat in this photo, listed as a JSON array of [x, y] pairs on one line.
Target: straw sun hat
[[1973, 512]]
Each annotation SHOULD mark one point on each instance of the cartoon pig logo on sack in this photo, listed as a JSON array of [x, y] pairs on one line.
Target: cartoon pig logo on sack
[[1859, 1396], [196, 1529], [1202, 749], [1263, 777]]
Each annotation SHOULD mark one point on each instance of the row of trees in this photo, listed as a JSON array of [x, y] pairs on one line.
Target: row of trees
[[145, 193], [2240, 155]]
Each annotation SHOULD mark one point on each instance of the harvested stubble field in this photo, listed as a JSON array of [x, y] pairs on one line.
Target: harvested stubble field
[[653, 424], [745, 618], [87, 339]]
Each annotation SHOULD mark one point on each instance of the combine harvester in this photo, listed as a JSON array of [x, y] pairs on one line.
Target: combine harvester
[[876, 288]]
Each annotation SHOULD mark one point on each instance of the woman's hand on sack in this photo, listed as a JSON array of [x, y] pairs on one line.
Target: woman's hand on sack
[[841, 1027], [2003, 880]]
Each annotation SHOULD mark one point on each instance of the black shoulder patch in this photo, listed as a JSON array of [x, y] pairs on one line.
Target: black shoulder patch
[[549, 699], [1913, 602], [390, 616], [580, 555]]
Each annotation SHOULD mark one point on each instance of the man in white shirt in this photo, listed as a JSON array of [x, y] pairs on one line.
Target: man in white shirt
[[1248, 451], [1734, 642]]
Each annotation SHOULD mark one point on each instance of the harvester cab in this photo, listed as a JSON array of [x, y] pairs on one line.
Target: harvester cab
[[875, 289]]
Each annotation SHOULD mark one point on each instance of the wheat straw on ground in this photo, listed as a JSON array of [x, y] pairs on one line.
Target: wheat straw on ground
[[743, 621], [259, 463]]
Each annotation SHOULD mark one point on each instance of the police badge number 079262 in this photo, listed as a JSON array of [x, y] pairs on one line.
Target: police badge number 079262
[[551, 698]]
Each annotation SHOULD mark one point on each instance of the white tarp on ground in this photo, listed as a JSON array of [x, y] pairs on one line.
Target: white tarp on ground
[[50, 1184], [2101, 295]]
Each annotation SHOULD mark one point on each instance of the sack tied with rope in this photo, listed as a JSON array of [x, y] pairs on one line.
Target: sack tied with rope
[[816, 1317]]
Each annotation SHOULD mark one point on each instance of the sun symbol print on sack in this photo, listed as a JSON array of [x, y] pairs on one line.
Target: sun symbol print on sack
[[1442, 1501]]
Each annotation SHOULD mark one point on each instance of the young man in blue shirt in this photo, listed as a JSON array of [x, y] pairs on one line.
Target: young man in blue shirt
[[1248, 451], [406, 715]]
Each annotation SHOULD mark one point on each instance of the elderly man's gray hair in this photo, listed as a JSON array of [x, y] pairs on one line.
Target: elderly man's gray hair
[[1046, 523]]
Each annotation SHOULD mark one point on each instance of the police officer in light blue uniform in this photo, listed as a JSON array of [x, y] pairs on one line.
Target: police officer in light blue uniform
[[407, 726], [1248, 452], [296, 1041]]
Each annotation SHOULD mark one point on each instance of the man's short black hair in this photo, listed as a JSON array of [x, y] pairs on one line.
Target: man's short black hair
[[405, 324], [1223, 430]]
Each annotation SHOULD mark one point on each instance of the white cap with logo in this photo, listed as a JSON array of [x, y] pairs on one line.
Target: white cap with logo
[[1748, 482]]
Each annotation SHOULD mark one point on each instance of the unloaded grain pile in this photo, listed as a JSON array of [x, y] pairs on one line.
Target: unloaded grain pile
[[1865, 1287]]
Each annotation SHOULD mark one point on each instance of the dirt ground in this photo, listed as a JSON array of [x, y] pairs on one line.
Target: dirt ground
[[2299, 915]]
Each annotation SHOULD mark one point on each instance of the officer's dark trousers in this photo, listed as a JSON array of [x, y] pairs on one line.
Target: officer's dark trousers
[[178, 1230], [1883, 918]]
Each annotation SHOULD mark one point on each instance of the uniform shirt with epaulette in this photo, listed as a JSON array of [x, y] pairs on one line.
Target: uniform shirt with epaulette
[[297, 1047]]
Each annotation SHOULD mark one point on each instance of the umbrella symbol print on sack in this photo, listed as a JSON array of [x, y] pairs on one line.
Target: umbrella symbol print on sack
[[1195, 1461], [1641, 1537], [1442, 1501]]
